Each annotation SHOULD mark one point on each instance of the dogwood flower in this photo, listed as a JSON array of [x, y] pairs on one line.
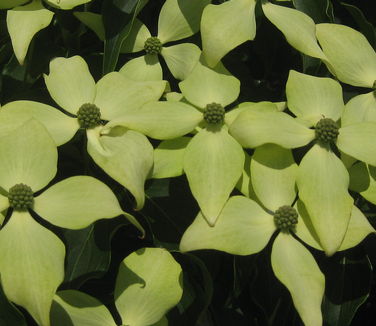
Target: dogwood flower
[[125, 155], [177, 20], [323, 179], [31, 256], [246, 225], [213, 159]]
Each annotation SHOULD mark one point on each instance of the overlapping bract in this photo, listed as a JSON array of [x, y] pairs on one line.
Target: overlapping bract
[[208, 150]]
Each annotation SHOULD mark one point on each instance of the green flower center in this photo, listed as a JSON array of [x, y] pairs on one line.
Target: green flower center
[[20, 197], [326, 130], [214, 113], [89, 116], [153, 45], [286, 218]]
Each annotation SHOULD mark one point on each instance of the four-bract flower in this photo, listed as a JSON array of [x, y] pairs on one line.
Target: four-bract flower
[[244, 227], [345, 51], [353, 61], [148, 284], [31, 256], [213, 159], [28, 19], [323, 179], [125, 155], [177, 20]]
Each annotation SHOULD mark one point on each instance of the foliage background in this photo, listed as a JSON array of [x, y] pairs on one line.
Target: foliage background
[[219, 289]]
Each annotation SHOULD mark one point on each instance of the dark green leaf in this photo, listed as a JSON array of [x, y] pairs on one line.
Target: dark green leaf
[[198, 290], [88, 250], [365, 26], [320, 11], [9, 314], [348, 282], [116, 15]]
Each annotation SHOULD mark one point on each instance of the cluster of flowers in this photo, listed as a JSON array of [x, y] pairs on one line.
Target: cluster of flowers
[[202, 136]]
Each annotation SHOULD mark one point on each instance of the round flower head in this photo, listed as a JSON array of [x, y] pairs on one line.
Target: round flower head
[[20, 197], [153, 45], [286, 218], [177, 20], [326, 130], [214, 113]]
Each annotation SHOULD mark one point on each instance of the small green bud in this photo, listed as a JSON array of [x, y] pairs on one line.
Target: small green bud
[[214, 113], [286, 218], [20, 197], [326, 130], [89, 116], [153, 45]]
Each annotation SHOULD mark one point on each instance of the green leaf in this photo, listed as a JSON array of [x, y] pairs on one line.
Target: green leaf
[[89, 250], [198, 290], [365, 26], [61, 127], [23, 23], [117, 95], [357, 140], [161, 120], [323, 182], [118, 18], [297, 27], [274, 171], [93, 21], [205, 85], [360, 108], [169, 158], [75, 308], [70, 83], [351, 57], [179, 19], [321, 11], [31, 265], [181, 59], [243, 228], [295, 267], [28, 155], [213, 163], [149, 283], [125, 155], [136, 38], [255, 128], [66, 4], [221, 33], [9, 314], [312, 98], [349, 281], [144, 68]]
